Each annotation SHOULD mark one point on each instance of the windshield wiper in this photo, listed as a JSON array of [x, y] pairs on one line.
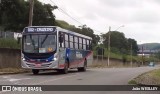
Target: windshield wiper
[[33, 43], [44, 40]]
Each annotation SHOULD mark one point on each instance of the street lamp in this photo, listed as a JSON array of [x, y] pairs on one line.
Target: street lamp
[[109, 36]]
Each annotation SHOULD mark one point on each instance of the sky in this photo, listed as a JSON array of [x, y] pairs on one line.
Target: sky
[[137, 19]]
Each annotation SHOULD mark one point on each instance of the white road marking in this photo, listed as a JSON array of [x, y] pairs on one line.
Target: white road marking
[[13, 80], [6, 77]]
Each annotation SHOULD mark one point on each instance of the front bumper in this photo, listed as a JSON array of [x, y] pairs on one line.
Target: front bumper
[[41, 65]]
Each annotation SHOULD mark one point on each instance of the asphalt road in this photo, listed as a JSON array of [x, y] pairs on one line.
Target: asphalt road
[[96, 76]]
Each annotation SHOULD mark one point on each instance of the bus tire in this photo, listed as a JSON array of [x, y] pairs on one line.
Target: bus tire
[[65, 70], [35, 71], [83, 69]]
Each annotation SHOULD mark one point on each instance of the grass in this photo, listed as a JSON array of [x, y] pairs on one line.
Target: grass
[[12, 71], [148, 78], [132, 82], [9, 43]]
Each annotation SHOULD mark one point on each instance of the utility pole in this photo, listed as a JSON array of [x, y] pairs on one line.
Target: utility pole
[[142, 54], [109, 42], [131, 56], [31, 12], [109, 35]]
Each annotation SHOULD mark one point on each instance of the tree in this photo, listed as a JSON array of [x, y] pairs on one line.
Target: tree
[[117, 41], [120, 44], [133, 43], [42, 14], [14, 14]]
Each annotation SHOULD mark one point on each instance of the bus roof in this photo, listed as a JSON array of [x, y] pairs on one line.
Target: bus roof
[[50, 29]]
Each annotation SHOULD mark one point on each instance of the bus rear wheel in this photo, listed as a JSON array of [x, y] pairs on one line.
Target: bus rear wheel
[[83, 69], [35, 71]]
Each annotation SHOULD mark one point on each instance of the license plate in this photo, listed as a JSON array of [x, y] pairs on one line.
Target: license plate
[[38, 65]]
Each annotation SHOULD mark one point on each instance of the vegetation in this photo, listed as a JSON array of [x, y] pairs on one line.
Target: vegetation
[[120, 44], [14, 14], [9, 43], [12, 71], [148, 78]]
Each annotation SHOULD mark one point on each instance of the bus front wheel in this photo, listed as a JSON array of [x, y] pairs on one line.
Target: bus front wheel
[[65, 70], [35, 71]]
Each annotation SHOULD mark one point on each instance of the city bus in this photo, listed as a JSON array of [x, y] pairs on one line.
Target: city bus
[[52, 47]]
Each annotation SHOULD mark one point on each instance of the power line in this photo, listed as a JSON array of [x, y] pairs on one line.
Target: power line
[[61, 10], [64, 12]]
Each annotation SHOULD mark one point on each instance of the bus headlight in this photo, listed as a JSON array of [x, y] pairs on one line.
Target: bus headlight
[[22, 56], [23, 59], [55, 57]]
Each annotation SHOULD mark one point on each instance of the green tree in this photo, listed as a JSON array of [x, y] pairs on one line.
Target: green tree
[[14, 14], [133, 43], [117, 41], [42, 14], [120, 44]]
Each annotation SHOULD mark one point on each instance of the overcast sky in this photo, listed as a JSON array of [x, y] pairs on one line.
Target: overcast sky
[[141, 18]]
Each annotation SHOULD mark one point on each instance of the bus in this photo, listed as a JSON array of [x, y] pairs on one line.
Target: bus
[[52, 47]]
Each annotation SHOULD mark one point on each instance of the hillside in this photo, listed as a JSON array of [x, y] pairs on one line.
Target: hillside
[[150, 46]]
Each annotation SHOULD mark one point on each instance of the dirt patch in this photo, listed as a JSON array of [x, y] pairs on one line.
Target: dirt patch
[[12, 71]]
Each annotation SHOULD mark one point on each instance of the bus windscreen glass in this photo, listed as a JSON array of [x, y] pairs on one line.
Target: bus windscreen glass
[[39, 43]]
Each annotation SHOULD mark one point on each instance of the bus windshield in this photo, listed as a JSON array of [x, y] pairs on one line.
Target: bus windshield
[[39, 43]]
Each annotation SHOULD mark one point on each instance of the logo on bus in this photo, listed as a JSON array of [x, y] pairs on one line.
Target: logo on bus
[[79, 55]]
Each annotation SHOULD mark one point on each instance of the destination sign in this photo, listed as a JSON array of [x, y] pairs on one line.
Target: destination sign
[[39, 29]]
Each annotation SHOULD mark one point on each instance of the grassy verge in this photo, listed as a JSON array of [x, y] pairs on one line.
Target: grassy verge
[[12, 71], [148, 78], [9, 43]]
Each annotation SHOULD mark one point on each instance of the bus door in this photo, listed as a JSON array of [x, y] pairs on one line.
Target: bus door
[[62, 50]]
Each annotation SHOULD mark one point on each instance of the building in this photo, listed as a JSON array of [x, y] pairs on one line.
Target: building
[[146, 53], [8, 34]]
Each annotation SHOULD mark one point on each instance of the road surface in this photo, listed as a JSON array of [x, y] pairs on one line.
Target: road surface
[[95, 76]]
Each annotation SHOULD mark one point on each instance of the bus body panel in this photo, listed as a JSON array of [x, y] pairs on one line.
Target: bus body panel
[[62, 58]]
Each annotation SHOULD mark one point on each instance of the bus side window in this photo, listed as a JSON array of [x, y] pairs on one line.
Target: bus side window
[[80, 43], [71, 41], [90, 44], [76, 42], [66, 41], [87, 44], [84, 44]]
